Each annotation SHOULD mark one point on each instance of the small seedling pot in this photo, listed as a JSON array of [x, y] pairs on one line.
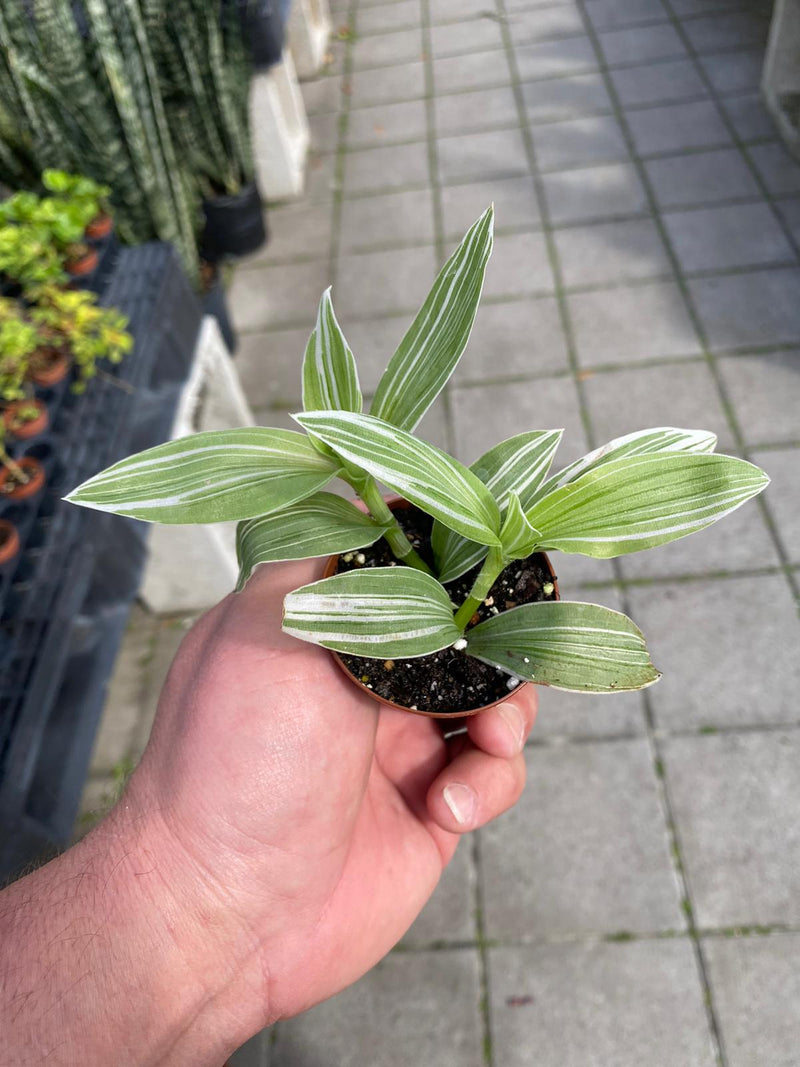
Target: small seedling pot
[[9, 543], [34, 485], [52, 367], [100, 227], [24, 430], [331, 565], [84, 264]]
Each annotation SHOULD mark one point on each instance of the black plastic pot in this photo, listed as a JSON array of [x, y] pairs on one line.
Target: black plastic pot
[[234, 225], [262, 23]]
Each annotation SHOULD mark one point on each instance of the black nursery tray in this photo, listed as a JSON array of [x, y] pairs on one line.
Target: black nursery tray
[[64, 606]]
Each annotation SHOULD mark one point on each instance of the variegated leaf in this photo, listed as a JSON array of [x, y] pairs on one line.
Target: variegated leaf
[[330, 379], [320, 525], [216, 476], [517, 535], [659, 439], [584, 648], [379, 612], [516, 465], [627, 505], [432, 347], [419, 471]]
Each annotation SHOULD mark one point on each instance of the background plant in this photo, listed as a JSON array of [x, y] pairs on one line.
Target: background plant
[[638, 491], [19, 339]]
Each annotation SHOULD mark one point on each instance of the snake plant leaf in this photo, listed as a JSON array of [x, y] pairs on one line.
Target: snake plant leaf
[[378, 612], [418, 471], [435, 341], [320, 525], [516, 465], [627, 505], [517, 535], [215, 476], [330, 379], [659, 439], [585, 648]]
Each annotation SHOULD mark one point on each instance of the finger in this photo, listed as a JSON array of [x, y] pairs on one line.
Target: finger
[[503, 731], [474, 789]]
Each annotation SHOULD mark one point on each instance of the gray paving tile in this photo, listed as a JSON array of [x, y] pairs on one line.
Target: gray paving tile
[[374, 283], [570, 860], [658, 83], [679, 126], [612, 14], [543, 23], [789, 210], [384, 123], [734, 72], [481, 155], [514, 199], [295, 231], [322, 95], [572, 571], [546, 59], [783, 500], [668, 395], [411, 1008], [491, 413], [516, 339], [324, 131], [756, 986], [721, 174], [373, 342], [735, 235], [749, 117], [738, 543], [434, 428], [594, 193], [620, 1004], [280, 295], [735, 798], [382, 18], [474, 71], [628, 325], [387, 84], [779, 170], [270, 364], [690, 8], [753, 308], [450, 913], [387, 49], [579, 142], [481, 34], [385, 167], [254, 1053], [765, 393], [611, 252], [396, 218], [520, 265], [733, 30], [453, 10], [484, 108], [635, 44], [556, 99]]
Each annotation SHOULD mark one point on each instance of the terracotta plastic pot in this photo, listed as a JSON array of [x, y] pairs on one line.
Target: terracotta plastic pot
[[9, 542], [54, 364], [28, 428], [398, 504], [100, 227], [35, 471], [84, 264]]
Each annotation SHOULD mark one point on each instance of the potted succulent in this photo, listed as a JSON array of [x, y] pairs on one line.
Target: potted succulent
[[453, 591], [80, 189]]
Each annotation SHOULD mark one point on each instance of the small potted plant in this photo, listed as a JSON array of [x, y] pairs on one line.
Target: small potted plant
[[83, 190], [64, 222], [18, 342], [445, 606], [20, 479], [28, 258]]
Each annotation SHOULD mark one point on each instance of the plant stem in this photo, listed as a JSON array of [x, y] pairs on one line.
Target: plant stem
[[15, 469], [398, 542], [492, 566]]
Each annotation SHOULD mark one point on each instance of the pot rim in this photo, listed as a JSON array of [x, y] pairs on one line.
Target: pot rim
[[84, 264], [9, 548], [399, 503], [32, 486], [30, 428]]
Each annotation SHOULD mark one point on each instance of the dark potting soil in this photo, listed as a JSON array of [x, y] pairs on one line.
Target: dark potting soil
[[448, 680]]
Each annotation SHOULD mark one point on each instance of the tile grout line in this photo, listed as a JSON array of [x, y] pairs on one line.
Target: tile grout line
[[341, 147]]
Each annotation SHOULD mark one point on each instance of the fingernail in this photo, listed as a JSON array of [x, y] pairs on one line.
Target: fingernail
[[512, 716], [461, 800]]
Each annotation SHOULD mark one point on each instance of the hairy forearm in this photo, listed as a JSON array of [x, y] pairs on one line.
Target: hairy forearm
[[115, 953]]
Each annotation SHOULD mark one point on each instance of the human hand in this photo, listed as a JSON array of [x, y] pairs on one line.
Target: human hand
[[313, 823]]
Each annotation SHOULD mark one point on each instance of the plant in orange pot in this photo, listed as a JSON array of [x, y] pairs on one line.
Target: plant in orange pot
[[91, 195], [446, 603]]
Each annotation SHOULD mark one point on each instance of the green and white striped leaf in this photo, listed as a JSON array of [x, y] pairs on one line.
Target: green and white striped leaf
[[585, 648], [516, 465], [630, 504], [320, 525], [330, 379], [435, 341], [517, 535], [379, 612], [659, 439], [418, 471], [216, 476]]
